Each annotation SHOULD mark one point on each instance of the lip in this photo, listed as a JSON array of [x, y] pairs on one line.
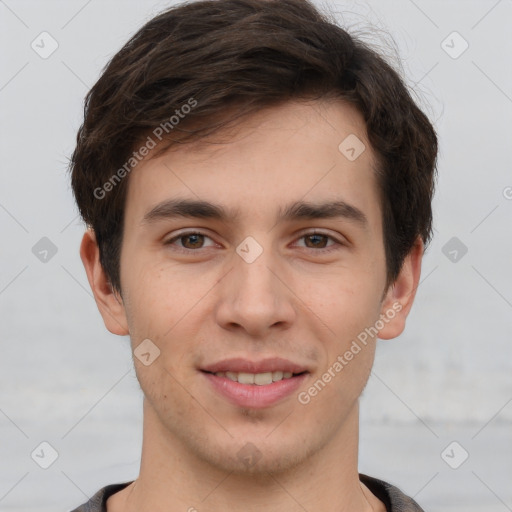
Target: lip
[[251, 395], [239, 364]]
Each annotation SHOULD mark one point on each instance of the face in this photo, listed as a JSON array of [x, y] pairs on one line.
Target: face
[[257, 287]]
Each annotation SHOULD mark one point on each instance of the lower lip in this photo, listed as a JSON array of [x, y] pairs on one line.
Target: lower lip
[[252, 395]]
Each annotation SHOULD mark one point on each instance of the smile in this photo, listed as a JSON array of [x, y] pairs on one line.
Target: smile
[[254, 390], [258, 379]]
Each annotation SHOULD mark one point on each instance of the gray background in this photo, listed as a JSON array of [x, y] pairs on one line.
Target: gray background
[[65, 380]]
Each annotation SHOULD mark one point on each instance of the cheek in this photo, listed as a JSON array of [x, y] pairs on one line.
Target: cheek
[[168, 395], [164, 306], [349, 307], [346, 304], [151, 292]]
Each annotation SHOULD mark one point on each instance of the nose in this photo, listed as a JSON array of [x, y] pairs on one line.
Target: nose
[[256, 296]]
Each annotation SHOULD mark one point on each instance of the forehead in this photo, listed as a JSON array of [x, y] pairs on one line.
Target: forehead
[[309, 151]]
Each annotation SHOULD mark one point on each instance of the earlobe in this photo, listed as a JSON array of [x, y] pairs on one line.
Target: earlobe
[[400, 295], [110, 306]]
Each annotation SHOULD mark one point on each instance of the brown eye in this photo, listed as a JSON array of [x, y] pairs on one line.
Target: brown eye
[[195, 239], [190, 241], [320, 242], [317, 240]]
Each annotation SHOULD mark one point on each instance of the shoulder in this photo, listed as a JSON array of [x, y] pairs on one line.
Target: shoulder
[[98, 502], [392, 497]]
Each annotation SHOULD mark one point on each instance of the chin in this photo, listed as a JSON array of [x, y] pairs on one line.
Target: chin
[[259, 454]]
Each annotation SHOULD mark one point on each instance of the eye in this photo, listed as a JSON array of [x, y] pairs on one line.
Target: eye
[[317, 241], [193, 240], [190, 240]]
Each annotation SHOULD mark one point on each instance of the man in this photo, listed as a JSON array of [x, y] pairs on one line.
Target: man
[[257, 187]]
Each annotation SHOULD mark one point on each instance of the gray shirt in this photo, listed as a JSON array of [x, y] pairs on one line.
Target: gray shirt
[[394, 499]]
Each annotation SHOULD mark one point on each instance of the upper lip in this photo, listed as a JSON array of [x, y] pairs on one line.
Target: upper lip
[[239, 364]]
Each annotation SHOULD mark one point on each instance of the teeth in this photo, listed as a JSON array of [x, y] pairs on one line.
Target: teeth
[[277, 376], [260, 379], [246, 378], [263, 378]]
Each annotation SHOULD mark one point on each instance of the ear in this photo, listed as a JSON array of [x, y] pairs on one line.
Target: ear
[[400, 295], [110, 305]]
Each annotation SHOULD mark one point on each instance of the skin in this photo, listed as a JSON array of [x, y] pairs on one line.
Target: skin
[[294, 301]]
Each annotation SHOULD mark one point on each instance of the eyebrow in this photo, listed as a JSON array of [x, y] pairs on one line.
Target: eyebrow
[[299, 210]]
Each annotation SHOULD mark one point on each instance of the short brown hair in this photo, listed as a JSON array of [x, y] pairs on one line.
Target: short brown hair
[[248, 54]]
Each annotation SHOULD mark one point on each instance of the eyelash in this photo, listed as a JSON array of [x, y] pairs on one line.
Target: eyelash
[[337, 244]]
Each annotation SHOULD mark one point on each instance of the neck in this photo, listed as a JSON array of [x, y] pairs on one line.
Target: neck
[[172, 479]]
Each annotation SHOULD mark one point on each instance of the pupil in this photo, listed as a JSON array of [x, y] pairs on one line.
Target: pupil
[[317, 239], [196, 236]]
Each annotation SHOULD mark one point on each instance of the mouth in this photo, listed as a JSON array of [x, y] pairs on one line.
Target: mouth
[[257, 379], [240, 365], [255, 384]]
